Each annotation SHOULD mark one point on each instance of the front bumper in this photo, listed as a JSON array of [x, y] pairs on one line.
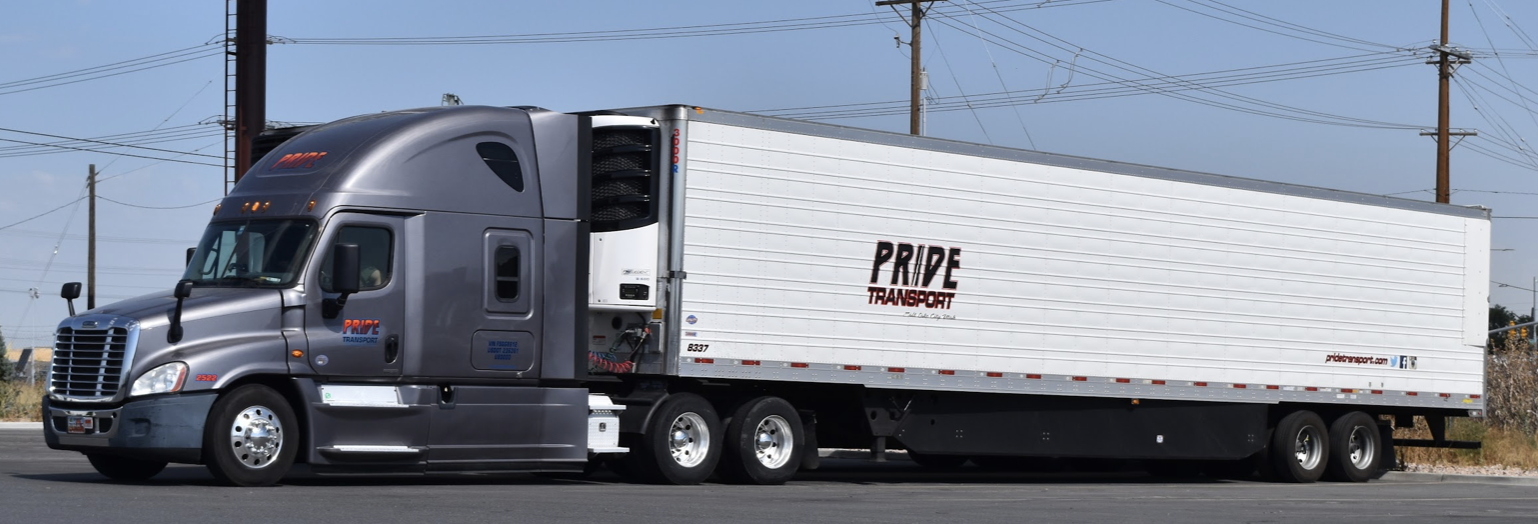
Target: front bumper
[[168, 428]]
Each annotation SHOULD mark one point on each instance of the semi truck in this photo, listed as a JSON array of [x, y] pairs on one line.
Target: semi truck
[[686, 293]]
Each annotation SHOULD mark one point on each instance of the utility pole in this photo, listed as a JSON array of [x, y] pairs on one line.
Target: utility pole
[[250, 79], [90, 250], [917, 24], [1446, 61]]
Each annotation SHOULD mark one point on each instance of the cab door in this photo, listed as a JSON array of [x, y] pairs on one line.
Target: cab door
[[364, 338]]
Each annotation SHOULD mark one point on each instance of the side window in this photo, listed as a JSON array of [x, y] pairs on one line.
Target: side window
[[503, 161], [507, 264], [374, 262], [510, 265]]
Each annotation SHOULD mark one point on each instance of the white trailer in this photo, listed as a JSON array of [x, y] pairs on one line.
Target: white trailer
[[909, 269]]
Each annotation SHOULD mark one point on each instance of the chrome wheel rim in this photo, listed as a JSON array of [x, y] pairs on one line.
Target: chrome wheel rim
[[689, 440], [1361, 448], [1306, 447], [772, 442], [256, 437]]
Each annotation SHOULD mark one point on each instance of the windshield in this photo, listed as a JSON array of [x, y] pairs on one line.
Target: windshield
[[251, 253]]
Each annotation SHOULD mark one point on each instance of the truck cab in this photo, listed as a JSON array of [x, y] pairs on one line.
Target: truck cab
[[371, 295]]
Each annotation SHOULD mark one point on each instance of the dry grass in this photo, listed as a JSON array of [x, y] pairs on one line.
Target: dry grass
[[20, 402], [1509, 431]]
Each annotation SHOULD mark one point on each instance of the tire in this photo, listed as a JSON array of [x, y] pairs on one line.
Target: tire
[[123, 468], [1356, 448], [1299, 448], [764, 443], [251, 437], [938, 462], [682, 443]]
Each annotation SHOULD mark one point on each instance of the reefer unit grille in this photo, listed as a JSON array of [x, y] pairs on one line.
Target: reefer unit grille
[[88, 363], [626, 162]]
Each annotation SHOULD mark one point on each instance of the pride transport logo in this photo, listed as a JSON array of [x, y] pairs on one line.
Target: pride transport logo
[[914, 270]]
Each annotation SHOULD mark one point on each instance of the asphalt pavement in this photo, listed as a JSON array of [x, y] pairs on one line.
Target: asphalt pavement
[[42, 485]]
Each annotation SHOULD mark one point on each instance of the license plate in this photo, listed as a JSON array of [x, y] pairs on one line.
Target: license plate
[[79, 424]]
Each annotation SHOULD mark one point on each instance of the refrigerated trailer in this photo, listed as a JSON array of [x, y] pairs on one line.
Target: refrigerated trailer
[[682, 292]]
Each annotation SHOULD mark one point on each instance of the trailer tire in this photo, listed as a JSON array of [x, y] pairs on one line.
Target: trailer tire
[[681, 445], [765, 441], [1356, 447], [1299, 449], [124, 468], [251, 437]]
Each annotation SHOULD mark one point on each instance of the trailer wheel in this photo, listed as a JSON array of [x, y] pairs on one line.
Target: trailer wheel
[[681, 445], [1299, 448], [764, 443], [251, 437], [124, 468], [1355, 447]]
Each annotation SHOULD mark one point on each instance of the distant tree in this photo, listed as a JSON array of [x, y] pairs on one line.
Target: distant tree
[[5, 361], [1501, 317]]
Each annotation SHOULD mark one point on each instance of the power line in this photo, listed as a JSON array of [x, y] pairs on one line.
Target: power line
[[1157, 83], [1066, 46], [1250, 15], [39, 215], [109, 70], [158, 208], [113, 240], [18, 131], [936, 38], [1220, 78], [1121, 89], [657, 33], [116, 153]]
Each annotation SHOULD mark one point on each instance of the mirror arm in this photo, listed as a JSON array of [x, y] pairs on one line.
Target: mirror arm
[[331, 307], [183, 290]]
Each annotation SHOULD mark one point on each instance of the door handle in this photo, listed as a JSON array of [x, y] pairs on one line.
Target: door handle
[[392, 348]]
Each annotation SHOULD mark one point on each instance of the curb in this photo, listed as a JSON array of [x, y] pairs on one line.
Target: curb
[[34, 426], [1409, 477]]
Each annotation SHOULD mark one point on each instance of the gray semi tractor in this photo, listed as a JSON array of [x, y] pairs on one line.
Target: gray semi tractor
[[683, 292]]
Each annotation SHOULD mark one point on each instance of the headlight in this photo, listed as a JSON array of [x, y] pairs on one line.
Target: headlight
[[164, 379]]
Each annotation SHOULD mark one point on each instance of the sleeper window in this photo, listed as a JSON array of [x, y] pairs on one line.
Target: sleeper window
[[507, 260]]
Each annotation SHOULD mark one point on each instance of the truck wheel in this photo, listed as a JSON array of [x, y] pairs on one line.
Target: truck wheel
[[681, 445], [764, 443], [1355, 447], [1299, 448], [251, 437], [123, 468]]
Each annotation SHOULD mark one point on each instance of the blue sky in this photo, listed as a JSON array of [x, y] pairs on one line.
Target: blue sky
[[1345, 117]]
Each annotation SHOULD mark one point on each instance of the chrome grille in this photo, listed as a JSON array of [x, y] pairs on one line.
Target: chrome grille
[[88, 363]]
